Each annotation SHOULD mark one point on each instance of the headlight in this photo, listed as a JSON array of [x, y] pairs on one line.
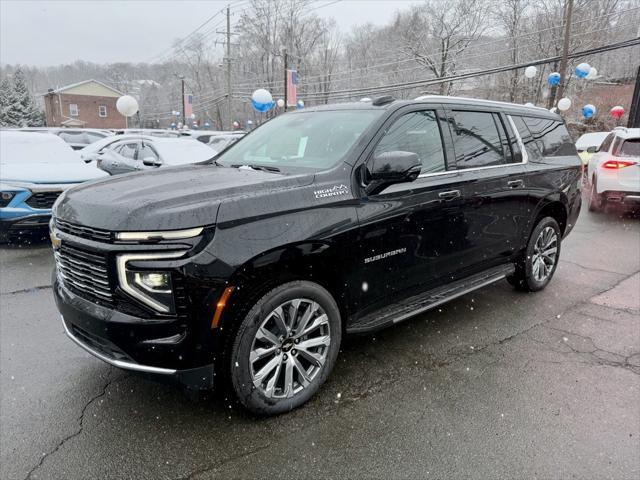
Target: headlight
[[154, 281], [151, 287], [5, 198]]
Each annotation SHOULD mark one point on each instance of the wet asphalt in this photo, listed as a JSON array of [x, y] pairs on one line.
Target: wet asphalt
[[496, 384]]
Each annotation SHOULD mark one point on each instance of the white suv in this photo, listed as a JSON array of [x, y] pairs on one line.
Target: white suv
[[614, 170]]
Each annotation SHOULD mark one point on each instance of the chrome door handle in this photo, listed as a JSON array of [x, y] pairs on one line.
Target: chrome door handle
[[450, 195], [516, 184]]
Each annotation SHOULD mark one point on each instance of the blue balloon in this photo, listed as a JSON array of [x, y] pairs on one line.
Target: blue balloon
[[262, 107], [583, 70], [588, 111], [554, 79]]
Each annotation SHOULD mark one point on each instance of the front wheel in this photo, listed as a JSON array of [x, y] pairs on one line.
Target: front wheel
[[285, 348], [540, 261]]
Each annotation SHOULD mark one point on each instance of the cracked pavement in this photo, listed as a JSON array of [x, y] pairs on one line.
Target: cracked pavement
[[494, 384]]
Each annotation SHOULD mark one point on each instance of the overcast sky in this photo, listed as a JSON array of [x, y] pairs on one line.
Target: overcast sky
[[51, 32]]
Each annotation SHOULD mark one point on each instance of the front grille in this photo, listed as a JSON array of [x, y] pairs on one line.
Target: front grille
[[84, 273], [43, 199], [95, 234], [102, 345]]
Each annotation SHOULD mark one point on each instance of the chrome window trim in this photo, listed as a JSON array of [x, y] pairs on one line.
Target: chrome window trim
[[525, 157], [116, 363], [162, 235], [121, 266]]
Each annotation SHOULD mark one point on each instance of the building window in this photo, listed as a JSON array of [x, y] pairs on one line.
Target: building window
[[73, 109], [102, 111]]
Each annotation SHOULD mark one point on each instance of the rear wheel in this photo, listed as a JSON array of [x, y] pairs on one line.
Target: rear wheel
[[285, 348], [595, 199], [536, 269]]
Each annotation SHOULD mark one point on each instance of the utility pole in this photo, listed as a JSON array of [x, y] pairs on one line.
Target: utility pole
[[286, 65], [183, 111], [565, 48], [229, 67]]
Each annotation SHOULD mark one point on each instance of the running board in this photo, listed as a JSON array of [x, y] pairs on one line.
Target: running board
[[417, 304]]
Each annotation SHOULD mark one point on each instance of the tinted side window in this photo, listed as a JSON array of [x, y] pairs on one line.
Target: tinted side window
[[127, 150], [477, 142], [533, 152], [607, 143], [416, 132], [551, 136]]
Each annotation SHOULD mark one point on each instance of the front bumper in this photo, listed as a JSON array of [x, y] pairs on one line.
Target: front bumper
[[157, 348], [19, 216]]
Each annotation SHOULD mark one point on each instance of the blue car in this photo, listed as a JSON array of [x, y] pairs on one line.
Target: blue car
[[35, 169]]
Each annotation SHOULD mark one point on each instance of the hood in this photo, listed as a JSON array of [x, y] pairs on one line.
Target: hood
[[49, 172], [166, 198]]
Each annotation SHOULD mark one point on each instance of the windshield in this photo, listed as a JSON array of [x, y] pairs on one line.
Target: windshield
[[313, 140]]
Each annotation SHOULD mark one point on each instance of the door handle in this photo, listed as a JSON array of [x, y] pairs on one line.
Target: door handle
[[450, 195], [516, 183]]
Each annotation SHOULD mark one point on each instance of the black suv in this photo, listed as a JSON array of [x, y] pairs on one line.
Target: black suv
[[327, 221]]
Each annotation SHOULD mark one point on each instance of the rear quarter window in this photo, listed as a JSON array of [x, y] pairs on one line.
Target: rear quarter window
[[550, 136], [628, 148]]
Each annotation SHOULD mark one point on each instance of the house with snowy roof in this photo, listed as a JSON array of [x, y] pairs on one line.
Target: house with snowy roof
[[87, 104]]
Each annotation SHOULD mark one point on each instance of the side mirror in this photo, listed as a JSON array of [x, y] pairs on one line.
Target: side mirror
[[90, 157], [151, 162], [392, 167], [592, 149]]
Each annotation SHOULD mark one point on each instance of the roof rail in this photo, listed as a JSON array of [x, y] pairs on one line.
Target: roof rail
[[482, 100]]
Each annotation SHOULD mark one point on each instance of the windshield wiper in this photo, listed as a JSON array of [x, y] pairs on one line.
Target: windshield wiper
[[264, 168]]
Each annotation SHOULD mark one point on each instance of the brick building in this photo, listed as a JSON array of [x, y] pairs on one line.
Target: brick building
[[88, 104]]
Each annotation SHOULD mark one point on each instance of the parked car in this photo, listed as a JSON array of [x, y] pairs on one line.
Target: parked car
[[614, 171], [78, 138], [327, 221], [34, 169], [220, 142], [588, 144], [153, 132], [135, 154], [207, 136], [110, 143]]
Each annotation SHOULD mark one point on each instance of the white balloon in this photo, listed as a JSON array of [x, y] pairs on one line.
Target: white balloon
[[564, 104], [593, 73], [530, 71], [529, 104], [262, 96], [127, 105], [280, 103]]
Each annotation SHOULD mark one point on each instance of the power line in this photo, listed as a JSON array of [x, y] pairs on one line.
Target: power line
[[490, 71]]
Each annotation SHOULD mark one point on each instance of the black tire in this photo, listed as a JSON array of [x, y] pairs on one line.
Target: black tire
[[256, 399], [596, 202], [526, 276]]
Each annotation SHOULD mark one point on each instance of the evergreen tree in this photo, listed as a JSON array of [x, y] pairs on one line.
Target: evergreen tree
[[22, 110], [5, 94]]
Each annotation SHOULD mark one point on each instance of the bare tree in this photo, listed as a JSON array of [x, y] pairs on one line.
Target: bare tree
[[437, 33]]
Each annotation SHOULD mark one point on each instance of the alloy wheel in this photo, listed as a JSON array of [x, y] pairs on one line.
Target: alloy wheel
[[289, 348], [545, 252]]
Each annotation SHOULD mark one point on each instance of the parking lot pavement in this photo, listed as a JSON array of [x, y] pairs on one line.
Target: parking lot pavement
[[495, 384]]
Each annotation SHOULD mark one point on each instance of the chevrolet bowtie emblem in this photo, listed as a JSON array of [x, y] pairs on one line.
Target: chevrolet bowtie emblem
[[55, 240]]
